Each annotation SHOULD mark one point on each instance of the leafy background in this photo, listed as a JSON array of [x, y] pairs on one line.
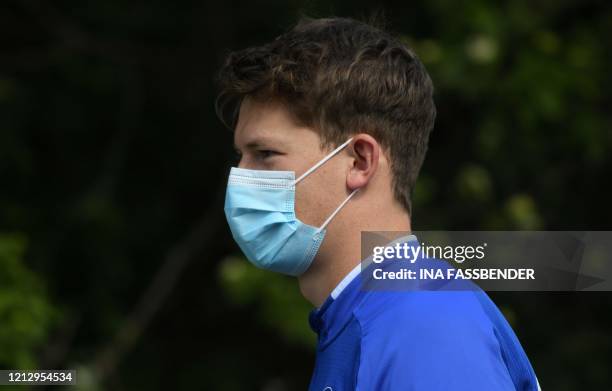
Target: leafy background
[[115, 257]]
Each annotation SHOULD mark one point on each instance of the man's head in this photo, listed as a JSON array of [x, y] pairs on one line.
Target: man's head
[[318, 85]]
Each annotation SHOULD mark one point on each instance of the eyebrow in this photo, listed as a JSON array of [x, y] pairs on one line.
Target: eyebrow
[[256, 143]]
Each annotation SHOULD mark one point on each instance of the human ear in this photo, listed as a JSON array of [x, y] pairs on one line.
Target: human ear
[[365, 151]]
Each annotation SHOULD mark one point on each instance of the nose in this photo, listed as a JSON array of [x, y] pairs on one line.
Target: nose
[[247, 162]]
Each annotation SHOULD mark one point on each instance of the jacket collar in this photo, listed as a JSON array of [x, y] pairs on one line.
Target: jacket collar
[[332, 317]]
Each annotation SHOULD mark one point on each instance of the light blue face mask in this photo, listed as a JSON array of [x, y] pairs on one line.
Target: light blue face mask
[[260, 210]]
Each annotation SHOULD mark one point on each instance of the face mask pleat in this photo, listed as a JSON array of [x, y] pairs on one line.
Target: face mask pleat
[[268, 199]]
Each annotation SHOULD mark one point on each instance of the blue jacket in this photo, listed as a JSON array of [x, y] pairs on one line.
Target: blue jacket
[[375, 340]]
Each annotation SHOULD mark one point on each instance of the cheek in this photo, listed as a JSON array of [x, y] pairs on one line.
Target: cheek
[[318, 195], [308, 202]]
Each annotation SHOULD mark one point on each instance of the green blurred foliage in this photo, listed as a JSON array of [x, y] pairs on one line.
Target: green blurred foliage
[[281, 306], [26, 315]]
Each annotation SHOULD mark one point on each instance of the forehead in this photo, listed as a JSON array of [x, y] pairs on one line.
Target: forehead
[[261, 121]]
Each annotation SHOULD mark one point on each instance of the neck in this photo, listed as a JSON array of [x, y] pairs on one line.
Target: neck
[[340, 251]]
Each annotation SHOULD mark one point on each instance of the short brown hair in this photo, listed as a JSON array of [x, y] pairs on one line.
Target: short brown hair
[[341, 77]]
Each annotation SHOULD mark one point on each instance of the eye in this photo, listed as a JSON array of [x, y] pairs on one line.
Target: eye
[[237, 155], [266, 153]]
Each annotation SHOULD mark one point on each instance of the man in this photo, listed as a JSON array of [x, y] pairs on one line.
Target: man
[[331, 122]]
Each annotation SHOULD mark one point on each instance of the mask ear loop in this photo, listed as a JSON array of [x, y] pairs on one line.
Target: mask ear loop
[[319, 164], [329, 219], [322, 161]]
